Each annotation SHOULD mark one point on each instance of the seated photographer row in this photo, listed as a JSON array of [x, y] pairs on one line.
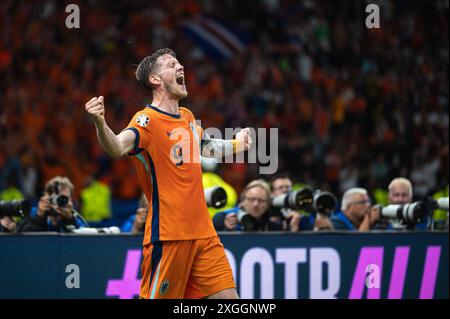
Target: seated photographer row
[[261, 208], [54, 211], [279, 208]]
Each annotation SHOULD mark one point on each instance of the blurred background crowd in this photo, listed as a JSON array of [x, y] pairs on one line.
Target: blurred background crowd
[[354, 106]]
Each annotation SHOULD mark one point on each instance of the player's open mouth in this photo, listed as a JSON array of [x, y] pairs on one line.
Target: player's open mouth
[[180, 79]]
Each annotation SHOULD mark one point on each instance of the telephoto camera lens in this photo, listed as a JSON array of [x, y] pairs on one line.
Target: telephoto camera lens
[[442, 203], [299, 199], [216, 197], [324, 202], [19, 208], [412, 213]]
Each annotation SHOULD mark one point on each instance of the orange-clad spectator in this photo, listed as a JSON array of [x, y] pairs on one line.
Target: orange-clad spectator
[[306, 111], [5, 59], [357, 105], [338, 109], [321, 122]]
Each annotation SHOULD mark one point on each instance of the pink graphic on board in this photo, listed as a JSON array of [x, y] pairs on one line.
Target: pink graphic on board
[[398, 273], [128, 286], [367, 256], [430, 272]]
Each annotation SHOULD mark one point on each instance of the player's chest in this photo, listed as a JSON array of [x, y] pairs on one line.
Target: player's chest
[[166, 135], [178, 142]]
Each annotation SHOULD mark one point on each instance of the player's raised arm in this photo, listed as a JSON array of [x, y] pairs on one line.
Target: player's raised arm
[[114, 145], [219, 148]]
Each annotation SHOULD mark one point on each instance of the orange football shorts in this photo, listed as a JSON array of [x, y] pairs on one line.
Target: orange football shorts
[[185, 269]]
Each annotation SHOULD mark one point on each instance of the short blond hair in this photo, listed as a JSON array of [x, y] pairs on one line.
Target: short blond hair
[[401, 181], [256, 183], [62, 181]]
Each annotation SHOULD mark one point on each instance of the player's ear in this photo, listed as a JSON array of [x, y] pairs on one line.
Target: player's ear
[[154, 79]]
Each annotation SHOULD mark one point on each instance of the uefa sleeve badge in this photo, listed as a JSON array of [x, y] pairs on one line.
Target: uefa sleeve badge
[[142, 120]]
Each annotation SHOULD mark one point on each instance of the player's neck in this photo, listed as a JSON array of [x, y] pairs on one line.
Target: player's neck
[[166, 104]]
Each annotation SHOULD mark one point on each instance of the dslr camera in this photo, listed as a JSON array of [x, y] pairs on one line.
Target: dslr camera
[[56, 199], [250, 223]]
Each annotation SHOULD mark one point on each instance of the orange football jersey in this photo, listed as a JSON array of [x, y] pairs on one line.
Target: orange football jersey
[[167, 162]]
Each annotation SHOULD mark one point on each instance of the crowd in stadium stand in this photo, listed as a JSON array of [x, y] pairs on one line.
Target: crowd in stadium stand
[[354, 107]]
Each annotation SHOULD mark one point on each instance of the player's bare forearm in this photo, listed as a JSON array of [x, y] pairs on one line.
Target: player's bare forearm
[[114, 145], [108, 140], [218, 148]]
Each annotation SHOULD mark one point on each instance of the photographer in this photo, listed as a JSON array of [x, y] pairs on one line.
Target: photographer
[[136, 223], [401, 193], [252, 214], [293, 220], [357, 212], [55, 210]]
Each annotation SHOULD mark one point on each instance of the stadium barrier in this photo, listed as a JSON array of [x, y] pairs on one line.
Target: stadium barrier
[[265, 265]]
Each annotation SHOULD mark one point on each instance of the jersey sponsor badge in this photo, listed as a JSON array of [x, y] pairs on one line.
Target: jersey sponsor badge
[[142, 120]]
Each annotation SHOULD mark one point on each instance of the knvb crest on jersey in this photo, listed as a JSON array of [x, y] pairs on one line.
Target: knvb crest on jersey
[[142, 120]]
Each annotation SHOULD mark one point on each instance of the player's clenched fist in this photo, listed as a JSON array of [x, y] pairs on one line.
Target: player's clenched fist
[[244, 138], [96, 109]]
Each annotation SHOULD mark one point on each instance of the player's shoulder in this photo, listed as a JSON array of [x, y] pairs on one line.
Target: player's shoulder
[[185, 112], [142, 117]]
